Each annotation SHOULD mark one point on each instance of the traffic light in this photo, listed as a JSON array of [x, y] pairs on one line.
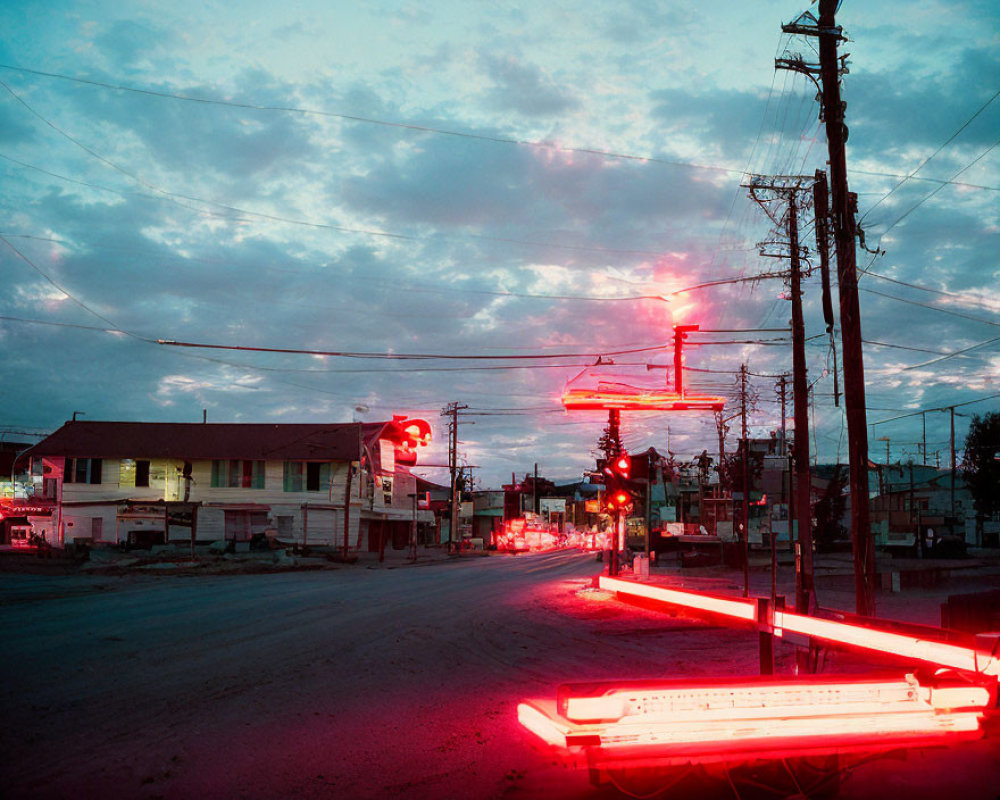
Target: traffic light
[[618, 493]]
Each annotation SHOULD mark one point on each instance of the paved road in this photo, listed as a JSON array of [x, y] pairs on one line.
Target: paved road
[[359, 683]]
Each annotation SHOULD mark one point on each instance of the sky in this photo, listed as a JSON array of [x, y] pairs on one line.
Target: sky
[[485, 181]]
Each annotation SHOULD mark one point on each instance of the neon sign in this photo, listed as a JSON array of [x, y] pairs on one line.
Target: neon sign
[[866, 637], [680, 720], [646, 400]]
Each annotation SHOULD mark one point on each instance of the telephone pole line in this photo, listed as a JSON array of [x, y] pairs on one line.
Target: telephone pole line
[[843, 204]]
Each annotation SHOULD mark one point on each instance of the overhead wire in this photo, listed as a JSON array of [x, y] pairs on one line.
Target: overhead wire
[[924, 163]]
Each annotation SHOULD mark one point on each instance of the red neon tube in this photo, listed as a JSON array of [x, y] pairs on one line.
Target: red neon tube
[[861, 636], [948, 655], [737, 609]]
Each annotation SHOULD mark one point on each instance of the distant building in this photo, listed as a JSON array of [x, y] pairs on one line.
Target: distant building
[[143, 482]]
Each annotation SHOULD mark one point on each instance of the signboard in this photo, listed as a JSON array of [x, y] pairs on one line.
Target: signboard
[[552, 505], [14, 509], [592, 506], [387, 456]]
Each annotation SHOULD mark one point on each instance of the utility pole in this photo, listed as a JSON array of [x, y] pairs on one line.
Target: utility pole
[[452, 411], [923, 424], [821, 214], [844, 231], [952, 526], [720, 426], [765, 190], [745, 536], [785, 465], [800, 389], [534, 492]]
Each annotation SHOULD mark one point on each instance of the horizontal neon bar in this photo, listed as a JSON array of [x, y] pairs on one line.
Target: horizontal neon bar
[[923, 722], [644, 401], [737, 609], [747, 701], [941, 653], [948, 655]]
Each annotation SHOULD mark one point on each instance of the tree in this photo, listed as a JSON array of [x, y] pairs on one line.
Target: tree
[[981, 466]]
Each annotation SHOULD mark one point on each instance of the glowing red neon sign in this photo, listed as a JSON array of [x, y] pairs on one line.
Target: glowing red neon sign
[[866, 636], [673, 719], [647, 400]]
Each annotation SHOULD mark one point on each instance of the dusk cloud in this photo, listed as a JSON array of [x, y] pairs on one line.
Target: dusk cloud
[[460, 179]]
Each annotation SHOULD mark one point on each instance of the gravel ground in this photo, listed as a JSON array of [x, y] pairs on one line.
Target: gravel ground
[[364, 681]]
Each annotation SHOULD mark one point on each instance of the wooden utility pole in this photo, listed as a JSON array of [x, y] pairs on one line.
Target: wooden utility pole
[[720, 427], [452, 411], [821, 214], [766, 190], [745, 534], [800, 388], [953, 465], [843, 204], [850, 310]]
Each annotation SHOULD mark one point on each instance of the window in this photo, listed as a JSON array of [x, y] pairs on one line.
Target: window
[[293, 476], [82, 470], [238, 474], [286, 527], [133, 473], [313, 476], [387, 491]]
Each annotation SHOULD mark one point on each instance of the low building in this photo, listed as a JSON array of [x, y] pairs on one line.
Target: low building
[[344, 485]]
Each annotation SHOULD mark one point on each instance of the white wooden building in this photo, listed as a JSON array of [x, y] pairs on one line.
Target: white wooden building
[[149, 482]]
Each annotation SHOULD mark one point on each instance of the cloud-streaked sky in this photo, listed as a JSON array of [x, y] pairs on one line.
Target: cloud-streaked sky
[[471, 178]]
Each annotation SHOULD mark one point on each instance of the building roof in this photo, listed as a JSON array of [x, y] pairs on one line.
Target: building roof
[[197, 441]]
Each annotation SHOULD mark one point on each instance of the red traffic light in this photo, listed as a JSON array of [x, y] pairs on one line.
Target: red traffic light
[[622, 464]]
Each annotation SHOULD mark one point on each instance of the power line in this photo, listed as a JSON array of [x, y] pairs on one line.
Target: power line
[[932, 155], [956, 353], [75, 300], [442, 131], [403, 356], [939, 408], [932, 308], [964, 297], [928, 196], [381, 122]]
